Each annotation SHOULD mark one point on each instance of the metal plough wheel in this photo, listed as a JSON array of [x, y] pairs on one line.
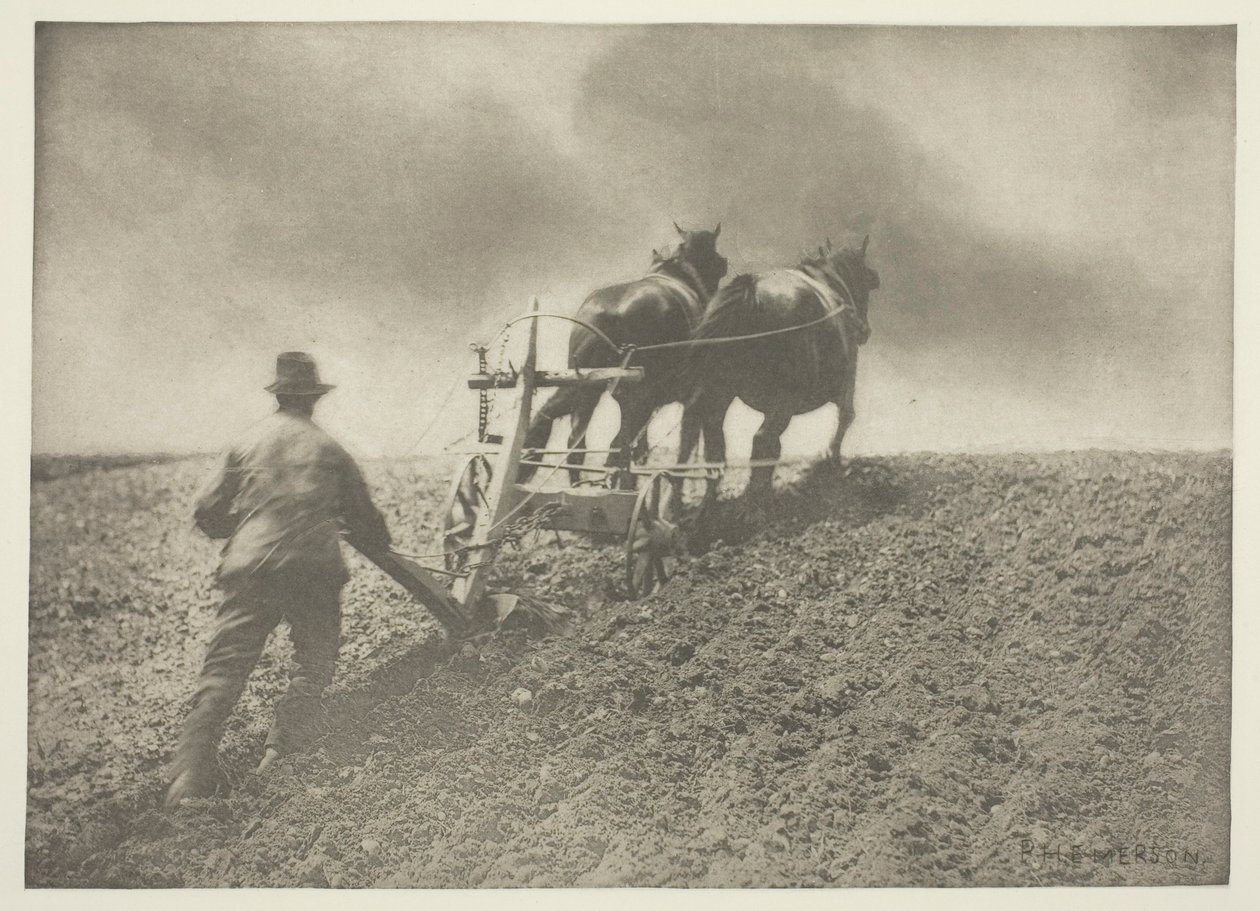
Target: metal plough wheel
[[652, 539], [464, 503]]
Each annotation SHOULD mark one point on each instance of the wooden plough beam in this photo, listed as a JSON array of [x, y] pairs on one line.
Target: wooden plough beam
[[422, 586]]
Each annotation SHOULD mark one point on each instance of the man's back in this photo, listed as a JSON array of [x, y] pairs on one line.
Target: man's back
[[281, 496]]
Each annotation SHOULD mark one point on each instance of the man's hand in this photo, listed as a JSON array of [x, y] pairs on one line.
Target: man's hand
[[213, 514]]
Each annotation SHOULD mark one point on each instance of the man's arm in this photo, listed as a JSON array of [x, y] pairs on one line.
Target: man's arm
[[213, 513], [364, 522]]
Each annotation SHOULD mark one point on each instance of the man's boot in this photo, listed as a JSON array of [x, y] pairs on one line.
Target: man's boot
[[192, 781]]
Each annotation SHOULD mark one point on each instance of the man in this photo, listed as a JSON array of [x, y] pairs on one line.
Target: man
[[280, 499]]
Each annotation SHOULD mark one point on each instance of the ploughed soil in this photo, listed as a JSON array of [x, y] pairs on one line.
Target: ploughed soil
[[922, 670]]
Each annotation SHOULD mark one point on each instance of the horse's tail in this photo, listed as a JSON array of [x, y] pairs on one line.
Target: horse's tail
[[730, 310], [730, 313], [589, 349]]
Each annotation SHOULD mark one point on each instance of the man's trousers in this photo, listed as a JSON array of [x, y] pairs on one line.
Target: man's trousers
[[246, 618]]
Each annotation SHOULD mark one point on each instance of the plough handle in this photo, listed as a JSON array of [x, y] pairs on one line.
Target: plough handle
[[422, 586]]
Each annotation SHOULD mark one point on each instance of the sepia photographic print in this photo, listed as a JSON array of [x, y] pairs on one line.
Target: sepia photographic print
[[482, 454]]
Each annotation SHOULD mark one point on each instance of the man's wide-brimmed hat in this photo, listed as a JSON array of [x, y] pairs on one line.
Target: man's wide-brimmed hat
[[296, 374]]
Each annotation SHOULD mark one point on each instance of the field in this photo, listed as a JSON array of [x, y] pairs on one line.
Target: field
[[920, 670]]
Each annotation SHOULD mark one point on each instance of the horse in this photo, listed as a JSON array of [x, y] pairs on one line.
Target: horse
[[665, 305], [790, 370]]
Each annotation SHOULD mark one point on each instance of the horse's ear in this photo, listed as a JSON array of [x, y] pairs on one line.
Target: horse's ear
[[822, 254], [829, 247], [717, 230], [865, 240], [679, 230]]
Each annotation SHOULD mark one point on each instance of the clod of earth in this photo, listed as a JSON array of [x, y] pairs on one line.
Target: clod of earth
[[921, 671]]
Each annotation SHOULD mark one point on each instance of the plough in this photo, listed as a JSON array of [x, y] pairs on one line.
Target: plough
[[485, 504]]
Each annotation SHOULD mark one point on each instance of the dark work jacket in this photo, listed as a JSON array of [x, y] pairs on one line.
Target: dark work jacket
[[280, 497]]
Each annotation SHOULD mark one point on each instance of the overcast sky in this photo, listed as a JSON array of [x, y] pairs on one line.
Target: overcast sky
[[1050, 210]]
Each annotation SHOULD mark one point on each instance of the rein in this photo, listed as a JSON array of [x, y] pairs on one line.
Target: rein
[[827, 296]]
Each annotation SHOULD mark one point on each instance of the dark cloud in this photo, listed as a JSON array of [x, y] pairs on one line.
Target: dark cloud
[[741, 122], [1039, 202], [323, 163]]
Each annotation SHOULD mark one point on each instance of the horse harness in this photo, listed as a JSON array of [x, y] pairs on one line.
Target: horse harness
[[834, 301]]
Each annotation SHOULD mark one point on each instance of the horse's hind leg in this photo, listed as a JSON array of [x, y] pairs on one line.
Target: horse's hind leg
[[846, 413], [766, 448], [539, 431], [565, 401], [688, 440], [636, 411], [689, 432], [580, 419], [712, 410]]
